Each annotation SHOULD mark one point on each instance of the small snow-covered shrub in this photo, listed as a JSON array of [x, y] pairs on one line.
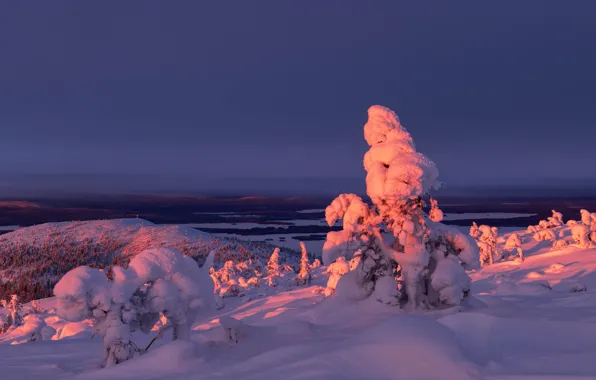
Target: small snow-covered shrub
[[157, 281], [557, 218], [513, 243], [542, 235], [543, 224], [435, 214], [531, 229], [474, 230], [580, 234], [571, 223], [586, 217], [559, 244], [36, 308], [335, 270]]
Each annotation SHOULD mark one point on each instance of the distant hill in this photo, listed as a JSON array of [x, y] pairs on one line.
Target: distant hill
[[32, 259]]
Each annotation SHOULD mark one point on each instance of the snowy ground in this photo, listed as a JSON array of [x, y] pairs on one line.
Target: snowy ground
[[514, 327]]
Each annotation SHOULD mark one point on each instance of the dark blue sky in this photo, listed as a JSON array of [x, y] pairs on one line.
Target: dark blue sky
[[177, 94]]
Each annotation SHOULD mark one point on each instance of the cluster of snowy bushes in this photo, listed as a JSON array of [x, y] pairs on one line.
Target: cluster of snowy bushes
[[157, 282], [235, 278], [553, 229], [28, 325], [157, 285], [396, 250], [584, 233]]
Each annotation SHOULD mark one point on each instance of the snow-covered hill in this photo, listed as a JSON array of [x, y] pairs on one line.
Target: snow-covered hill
[[534, 319], [32, 258]]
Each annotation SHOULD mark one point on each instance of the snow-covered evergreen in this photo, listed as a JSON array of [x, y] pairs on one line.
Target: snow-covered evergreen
[[304, 276], [487, 242], [273, 268], [426, 258]]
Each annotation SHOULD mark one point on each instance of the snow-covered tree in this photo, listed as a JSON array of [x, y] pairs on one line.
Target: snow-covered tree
[[586, 217], [513, 243], [14, 317], [335, 270], [304, 275], [580, 234], [545, 234], [543, 224], [430, 258], [558, 217], [488, 244], [273, 268], [435, 214], [157, 281], [474, 231]]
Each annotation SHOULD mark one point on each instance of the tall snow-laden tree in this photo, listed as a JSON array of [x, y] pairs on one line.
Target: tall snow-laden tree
[[426, 257]]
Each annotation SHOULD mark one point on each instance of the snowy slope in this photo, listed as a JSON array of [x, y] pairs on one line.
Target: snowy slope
[[514, 327], [39, 254]]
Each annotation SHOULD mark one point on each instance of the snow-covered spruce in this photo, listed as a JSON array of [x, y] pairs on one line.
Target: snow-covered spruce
[[157, 281], [488, 244], [304, 277], [273, 269], [418, 261]]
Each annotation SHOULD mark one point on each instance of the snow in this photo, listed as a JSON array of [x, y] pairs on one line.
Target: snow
[[513, 327]]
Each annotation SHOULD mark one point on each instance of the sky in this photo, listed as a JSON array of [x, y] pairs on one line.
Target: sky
[[262, 95]]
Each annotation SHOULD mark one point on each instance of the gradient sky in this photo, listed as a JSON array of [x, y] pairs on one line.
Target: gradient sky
[[186, 94]]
